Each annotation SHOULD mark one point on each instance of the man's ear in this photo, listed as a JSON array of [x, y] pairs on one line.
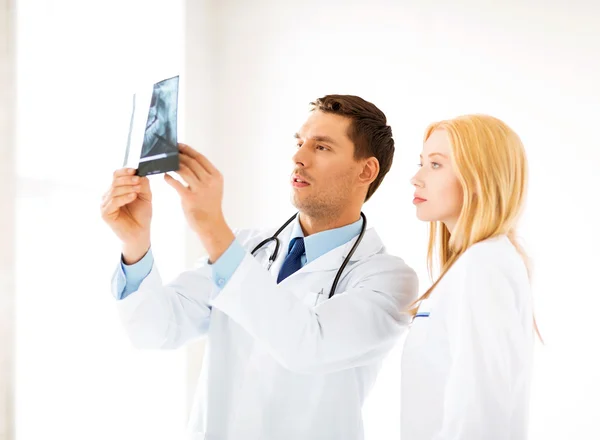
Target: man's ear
[[370, 170]]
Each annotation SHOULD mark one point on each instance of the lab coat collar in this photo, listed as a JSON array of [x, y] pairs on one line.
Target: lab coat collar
[[322, 242], [371, 244]]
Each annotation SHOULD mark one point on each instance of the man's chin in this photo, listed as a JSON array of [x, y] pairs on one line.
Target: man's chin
[[295, 201], [309, 207], [300, 203]]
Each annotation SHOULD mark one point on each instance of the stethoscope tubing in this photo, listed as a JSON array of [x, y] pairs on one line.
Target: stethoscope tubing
[[275, 252]]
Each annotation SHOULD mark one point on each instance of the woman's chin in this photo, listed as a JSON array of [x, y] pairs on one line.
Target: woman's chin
[[426, 218]]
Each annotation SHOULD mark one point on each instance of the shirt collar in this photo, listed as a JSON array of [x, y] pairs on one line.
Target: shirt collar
[[322, 242]]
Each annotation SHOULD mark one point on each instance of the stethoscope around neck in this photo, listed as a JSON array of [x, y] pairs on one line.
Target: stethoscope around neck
[[275, 252]]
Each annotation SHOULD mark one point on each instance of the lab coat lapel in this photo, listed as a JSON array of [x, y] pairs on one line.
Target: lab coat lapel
[[284, 237], [332, 260]]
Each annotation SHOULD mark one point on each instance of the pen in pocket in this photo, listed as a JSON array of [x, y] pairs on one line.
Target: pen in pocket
[[317, 297]]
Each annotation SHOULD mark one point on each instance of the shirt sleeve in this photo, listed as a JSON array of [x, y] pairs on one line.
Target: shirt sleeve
[[130, 276], [224, 268]]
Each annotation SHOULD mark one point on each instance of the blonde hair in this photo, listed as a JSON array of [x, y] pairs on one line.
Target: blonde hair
[[491, 166]]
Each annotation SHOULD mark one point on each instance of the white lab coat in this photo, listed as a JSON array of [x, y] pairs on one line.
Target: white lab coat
[[466, 368], [282, 361]]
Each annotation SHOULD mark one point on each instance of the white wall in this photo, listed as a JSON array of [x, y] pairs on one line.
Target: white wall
[[250, 70], [7, 223], [77, 375], [536, 67]]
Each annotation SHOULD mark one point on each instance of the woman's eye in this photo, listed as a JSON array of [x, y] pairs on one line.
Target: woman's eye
[[435, 165], [420, 165]]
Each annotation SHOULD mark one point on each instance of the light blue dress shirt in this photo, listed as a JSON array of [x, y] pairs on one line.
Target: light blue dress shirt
[[130, 277]]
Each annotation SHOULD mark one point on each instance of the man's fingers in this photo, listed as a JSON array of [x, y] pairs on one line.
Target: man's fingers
[[124, 172], [199, 172], [121, 191], [145, 184], [116, 203], [200, 158], [181, 189], [188, 174], [126, 180]]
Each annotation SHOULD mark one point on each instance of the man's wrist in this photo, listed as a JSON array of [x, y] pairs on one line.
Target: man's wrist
[[134, 252], [216, 237]]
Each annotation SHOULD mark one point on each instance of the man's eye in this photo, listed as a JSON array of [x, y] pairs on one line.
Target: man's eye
[[322, 148], [298, 145]]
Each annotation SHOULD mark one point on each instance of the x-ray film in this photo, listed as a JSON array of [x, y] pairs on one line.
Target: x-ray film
[[152, 141]]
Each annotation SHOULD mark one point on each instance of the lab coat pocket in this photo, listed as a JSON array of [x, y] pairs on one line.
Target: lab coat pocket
[[419, 329], [313, 299]]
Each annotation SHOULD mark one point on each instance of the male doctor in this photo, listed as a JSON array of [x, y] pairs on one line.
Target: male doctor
[[283, 360]]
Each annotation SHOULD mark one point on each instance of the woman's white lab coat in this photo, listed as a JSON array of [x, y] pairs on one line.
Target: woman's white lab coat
[[282, 361], [467, 358]]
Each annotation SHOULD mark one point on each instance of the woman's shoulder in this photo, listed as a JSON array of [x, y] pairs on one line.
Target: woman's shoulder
[[494, 252], [493, 258], [489, 283]]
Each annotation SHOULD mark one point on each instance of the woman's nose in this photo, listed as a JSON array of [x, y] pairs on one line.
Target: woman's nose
[[416, 181]]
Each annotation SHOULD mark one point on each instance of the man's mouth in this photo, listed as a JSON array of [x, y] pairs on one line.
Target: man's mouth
[[299, 182]]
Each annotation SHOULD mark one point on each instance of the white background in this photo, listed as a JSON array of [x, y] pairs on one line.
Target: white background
[[249, 70], [77, 376]]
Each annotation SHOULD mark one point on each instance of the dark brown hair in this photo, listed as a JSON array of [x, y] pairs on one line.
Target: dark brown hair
[[368, 131]]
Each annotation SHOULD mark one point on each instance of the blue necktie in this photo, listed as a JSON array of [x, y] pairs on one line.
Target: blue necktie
[[293, 261]]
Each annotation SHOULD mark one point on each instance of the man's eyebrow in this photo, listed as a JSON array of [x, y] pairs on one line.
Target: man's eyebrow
[[325, 139]]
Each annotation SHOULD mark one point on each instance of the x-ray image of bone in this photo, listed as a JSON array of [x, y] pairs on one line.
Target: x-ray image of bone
[[159, 152], [161, 127]]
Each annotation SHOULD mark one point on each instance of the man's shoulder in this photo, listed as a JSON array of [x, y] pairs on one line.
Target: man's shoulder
[[386, 261], [379, 255], [379, 262]]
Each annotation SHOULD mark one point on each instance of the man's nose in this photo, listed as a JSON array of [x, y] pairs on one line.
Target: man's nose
[[302, 155]]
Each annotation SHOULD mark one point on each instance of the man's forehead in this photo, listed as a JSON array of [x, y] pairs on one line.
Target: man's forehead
[[325, 124]]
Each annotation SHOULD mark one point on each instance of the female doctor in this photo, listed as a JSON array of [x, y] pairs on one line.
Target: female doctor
[[298, 319], [466, 364]]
